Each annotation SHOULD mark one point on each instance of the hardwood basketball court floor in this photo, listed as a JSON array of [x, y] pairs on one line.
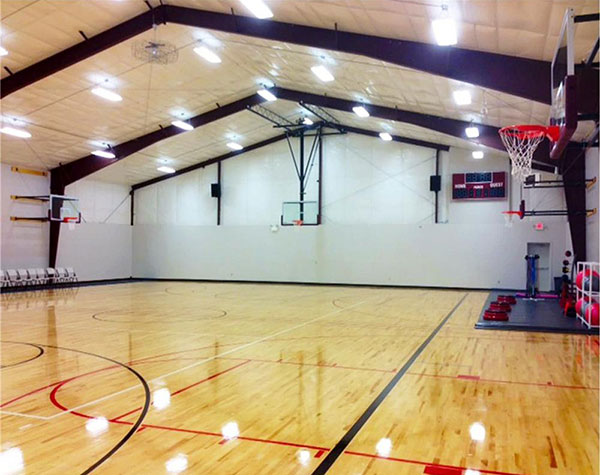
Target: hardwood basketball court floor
[[172, 377]]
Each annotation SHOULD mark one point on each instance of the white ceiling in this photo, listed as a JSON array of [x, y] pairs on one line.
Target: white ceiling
[[67, 121]]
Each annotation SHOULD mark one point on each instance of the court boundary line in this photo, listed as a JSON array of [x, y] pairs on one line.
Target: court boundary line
[[428, 464], [347, 438]]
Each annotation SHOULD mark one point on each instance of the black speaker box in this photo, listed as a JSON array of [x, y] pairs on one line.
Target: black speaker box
[[215, 190], [435, 183]]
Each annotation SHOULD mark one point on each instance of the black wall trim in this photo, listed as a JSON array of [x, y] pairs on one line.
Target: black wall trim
[[132, 280], [68, 285], [326, 284]]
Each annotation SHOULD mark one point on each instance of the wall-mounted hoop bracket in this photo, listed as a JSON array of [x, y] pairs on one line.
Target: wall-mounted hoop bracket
[[38, 219], [31, 199], [523, 213], [533, 184]]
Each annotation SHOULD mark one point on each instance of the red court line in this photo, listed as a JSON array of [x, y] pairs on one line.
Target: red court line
[[60, 406], [460, 376], [139, 360], [320, 450], [116, 419], [435, 470], [179, 391], [428, 464], [54, 384], [224, 441], [253, 360], [501, 381], [428, 375], [320, 365], [57, 404], [210, 377]]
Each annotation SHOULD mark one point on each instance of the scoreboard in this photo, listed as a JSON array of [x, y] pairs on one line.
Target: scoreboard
[[479, 186]]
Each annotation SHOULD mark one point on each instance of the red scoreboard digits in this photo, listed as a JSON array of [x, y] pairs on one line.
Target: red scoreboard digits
[[479, 186]]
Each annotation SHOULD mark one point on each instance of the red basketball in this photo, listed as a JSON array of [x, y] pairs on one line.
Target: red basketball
[[591, 281], [592, 312], [582, 280]]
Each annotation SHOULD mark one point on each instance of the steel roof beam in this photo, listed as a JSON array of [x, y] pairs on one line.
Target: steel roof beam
[[528, 78]]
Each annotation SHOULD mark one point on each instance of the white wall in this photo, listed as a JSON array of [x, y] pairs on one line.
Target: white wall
[[253, 189], [23, 244], [101, 202], [490, 212], [101, 246], [182, 200], [477, 256], [378, 222], [96, 251], [593, 201], [369, 181]]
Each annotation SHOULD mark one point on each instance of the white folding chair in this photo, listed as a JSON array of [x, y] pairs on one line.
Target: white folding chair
[[72, 276], [61, 274], [33, 277], [24, 276], [51, 272], [13, 278], [3, 279], [42, 276]]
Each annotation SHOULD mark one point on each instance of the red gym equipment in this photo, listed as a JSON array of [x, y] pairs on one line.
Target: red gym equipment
[[500, 306], [509, 299], [496, 315]]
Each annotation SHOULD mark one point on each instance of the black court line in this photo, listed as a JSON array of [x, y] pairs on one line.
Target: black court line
[[137, 423], [40, 353], [343, 443]]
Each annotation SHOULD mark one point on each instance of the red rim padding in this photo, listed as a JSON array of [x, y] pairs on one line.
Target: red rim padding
[[530, 131]]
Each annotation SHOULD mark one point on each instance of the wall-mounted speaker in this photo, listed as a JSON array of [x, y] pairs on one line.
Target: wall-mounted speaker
[[215, 190], [435, 183]]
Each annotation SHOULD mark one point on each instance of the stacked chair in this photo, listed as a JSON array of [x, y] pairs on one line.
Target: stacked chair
[[36, 277]]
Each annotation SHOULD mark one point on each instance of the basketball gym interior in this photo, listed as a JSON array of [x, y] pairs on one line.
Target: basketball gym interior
[[299, 237]]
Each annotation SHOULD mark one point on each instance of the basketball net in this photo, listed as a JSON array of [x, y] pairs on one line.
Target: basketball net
[[521, 142]]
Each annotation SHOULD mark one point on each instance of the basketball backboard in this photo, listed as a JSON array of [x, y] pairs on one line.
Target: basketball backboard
[[574, 81], [295, 213], [563, 112], [64, 209]]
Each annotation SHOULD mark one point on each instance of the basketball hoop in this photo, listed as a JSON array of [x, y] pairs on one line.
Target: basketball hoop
[[298, 222], [70, 219], [521, 141]]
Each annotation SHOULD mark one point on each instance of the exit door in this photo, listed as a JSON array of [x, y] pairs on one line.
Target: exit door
[[542, 249]]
